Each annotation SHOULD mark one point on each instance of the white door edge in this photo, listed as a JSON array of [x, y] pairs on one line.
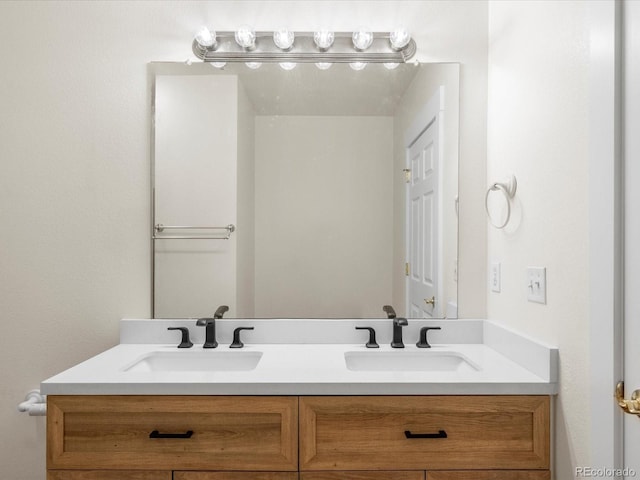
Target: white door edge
[[605, 232]]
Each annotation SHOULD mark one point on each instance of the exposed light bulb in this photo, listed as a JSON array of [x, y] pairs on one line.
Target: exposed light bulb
[[399, 38], [288, 65], [362, 38], [324, 65], [391, 66], [206, 38], [253, 65], [283, 38], [323, 39], [246, 37], [358, 65], [218, 64]]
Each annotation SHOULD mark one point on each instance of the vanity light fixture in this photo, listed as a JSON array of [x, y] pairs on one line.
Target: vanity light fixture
[[206, 38], [323, 39], [288, 65], [362, 39], [283, 39], [399, 38], [358, 65], [246, 37], [322, 47]]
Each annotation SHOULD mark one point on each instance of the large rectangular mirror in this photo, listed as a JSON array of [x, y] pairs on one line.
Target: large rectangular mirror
[[306, 193]]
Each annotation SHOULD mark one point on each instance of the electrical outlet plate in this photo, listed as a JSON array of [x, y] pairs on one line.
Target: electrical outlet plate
[[494, 279], [537, 284]]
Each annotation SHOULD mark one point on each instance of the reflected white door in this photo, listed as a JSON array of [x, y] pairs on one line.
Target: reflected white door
[[632, 229], [423, 232]]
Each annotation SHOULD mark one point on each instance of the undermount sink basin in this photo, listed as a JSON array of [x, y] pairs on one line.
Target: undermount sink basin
[[196, 361], [403, 361]]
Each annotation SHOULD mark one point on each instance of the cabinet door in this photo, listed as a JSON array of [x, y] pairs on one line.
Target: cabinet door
[[424, 433], [172, 433], [107, 475], [235, 475], [490, 475]]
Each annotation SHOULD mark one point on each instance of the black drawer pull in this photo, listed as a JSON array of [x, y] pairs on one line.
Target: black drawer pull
[[440, 434], [157, 434]]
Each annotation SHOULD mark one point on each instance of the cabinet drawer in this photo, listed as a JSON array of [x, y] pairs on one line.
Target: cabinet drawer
[[478, 432], [107, 475], [235, 475], [191, 433], [360, 475]]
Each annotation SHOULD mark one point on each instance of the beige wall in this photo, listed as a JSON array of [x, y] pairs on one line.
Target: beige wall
[[245, 233], [538, 130], [196, 164], [324, 216], [74, 190]]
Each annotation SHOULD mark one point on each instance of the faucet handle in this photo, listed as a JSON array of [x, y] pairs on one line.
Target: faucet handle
[[372, 337], [236, 337], [185, 343], [423, 343]]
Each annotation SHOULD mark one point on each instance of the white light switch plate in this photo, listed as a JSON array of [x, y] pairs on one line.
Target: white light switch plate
[[537, 284], [494, 278]]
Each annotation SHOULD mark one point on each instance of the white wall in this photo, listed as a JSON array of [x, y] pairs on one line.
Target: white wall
[[538, 130], [74, 147]]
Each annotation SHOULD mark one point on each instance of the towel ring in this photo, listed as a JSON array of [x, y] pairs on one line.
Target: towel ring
[[508, 189]]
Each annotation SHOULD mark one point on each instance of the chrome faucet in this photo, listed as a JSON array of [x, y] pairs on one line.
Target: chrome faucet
[[210, 332], [398, 323]]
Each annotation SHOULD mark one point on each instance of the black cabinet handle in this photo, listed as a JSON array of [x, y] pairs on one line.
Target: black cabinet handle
[[440, 434], [157, 434]]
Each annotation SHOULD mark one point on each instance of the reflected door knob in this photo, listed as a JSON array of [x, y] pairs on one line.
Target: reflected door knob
[[431, 301], [628, 406]]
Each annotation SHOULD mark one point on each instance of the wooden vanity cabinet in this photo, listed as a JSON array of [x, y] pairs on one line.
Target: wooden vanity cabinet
[[235, 475], [172, 433], [108, 475], [424, 433], [298, 438]]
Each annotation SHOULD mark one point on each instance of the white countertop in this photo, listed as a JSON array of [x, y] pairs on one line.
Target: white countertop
[[505, 363]]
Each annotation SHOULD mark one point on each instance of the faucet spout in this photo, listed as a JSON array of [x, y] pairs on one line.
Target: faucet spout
[[210, 331], [388, 309], [222, 309], [398, 323]]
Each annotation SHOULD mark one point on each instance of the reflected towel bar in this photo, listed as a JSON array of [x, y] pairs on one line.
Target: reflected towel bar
[[160, 228]]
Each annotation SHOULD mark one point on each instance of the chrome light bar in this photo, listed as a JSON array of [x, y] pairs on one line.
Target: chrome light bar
[[304, 49]]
